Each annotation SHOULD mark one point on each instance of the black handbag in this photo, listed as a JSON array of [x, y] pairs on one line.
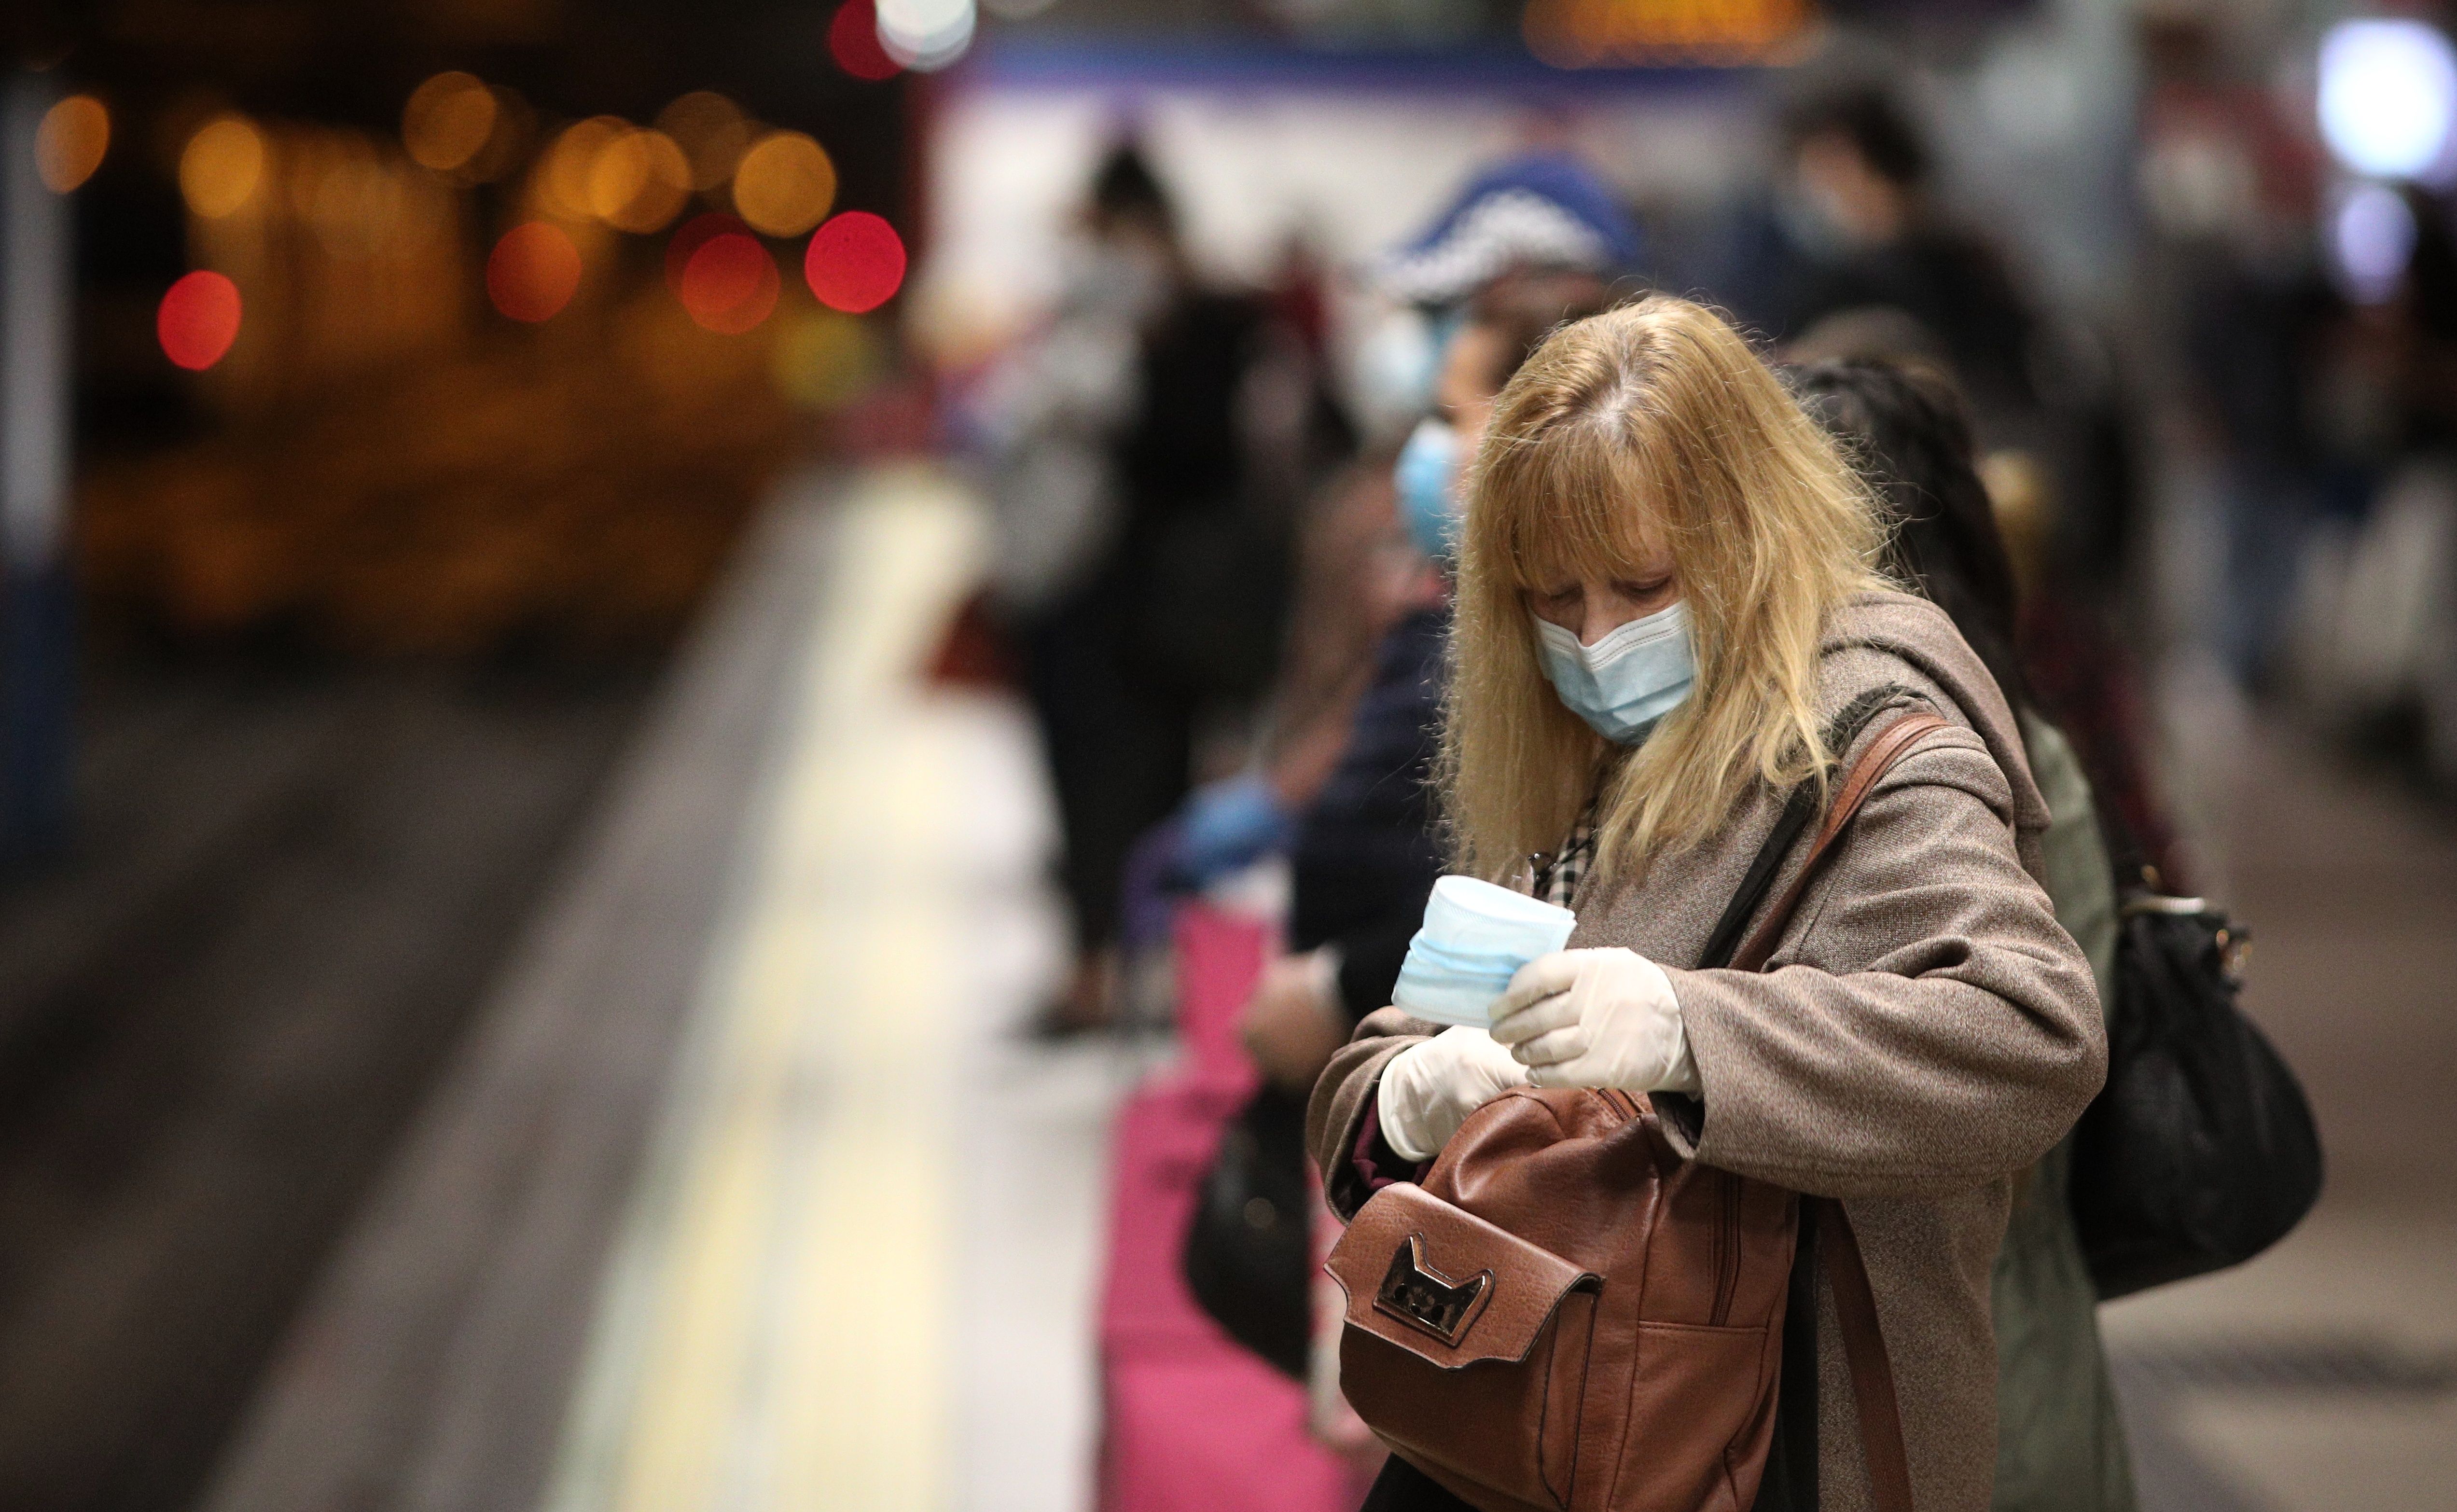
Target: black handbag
[[1249, 1255], [2201, 1151]]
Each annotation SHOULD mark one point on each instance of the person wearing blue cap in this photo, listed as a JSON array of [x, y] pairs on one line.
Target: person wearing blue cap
[[1535, 231], [1537, 212], [1347, 792], [1531, 242]]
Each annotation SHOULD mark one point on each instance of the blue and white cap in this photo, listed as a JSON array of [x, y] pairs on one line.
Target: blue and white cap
[[1542, 210]]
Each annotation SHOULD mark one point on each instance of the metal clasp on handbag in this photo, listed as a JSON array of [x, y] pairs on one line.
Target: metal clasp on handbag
[[2233, 941], [1422, 1298]]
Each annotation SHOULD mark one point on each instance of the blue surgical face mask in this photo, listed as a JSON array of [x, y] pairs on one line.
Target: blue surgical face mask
[[1625, 682], [1427, 478]]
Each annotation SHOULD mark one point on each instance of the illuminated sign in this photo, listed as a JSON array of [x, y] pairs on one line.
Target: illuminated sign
[[1597, 34]]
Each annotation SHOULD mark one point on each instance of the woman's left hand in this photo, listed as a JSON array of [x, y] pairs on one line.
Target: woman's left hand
[[1596, 1018]]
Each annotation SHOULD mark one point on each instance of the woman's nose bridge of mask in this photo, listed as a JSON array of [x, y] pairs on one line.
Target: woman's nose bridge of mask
[[1603, 609], [1629, 634]]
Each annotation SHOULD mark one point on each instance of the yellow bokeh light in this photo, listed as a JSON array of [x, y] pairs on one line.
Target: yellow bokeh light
[[639, 182], [221, 166], [712, 132], [70, 143], [784, 184], [449, 121], [824, 361], [571, 162]]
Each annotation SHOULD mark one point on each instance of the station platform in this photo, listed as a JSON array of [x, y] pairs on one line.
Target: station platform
[[746, 1192]]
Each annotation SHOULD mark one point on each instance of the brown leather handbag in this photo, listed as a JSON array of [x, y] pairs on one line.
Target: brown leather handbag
[[1566, 1315]]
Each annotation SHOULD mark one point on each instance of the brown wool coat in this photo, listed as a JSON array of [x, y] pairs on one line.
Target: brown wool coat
[[1924, 1031]]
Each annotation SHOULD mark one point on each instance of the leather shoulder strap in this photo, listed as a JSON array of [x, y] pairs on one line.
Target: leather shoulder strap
[[1892, 744], [1864, 1351], [1838, 1247], [1799, 808]]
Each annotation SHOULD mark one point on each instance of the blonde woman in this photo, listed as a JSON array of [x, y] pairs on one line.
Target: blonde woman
[[1667, 591]]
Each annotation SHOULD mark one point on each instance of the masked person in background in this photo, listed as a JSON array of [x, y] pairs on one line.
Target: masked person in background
[[1345, 779], [1872, 236], [1365, 854], [1541, 223], [1142, 557], [1531, 242], [1669, 588], [2060, 1443]]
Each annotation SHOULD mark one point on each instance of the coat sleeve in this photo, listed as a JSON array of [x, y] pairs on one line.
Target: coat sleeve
[[1338, 1114], [1925, 1022]]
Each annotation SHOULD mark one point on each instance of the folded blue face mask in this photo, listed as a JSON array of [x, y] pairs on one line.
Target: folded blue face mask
[[1475, 939], [1427, 478], [1628, 680]]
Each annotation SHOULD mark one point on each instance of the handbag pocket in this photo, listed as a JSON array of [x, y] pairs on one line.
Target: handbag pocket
[[1714, 1386], [1465, 1347]]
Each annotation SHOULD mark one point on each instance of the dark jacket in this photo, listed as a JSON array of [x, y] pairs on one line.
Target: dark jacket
[[1366, 856]]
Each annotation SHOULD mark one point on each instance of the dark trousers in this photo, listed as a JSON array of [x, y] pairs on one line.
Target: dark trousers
[[1120, 741], [1402, 1487]]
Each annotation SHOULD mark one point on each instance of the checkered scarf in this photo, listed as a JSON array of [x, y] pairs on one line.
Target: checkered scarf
[[1558, 873]]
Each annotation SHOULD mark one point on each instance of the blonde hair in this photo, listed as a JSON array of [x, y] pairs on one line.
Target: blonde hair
[[1651, 422]]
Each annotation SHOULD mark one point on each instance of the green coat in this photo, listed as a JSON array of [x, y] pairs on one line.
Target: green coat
[[2059, 1445]]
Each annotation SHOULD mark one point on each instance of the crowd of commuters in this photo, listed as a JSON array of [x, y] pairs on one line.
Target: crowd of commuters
[[1633, 579]]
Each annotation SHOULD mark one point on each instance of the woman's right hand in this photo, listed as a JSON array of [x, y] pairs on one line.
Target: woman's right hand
[[1429, 1089]]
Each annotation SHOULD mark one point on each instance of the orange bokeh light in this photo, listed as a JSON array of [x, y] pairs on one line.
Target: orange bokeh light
[[855, 263], [448, 121], [533, 272], [198, 319], [639, 182], [729, 284], [784, 184], [221, 166], [712, 132], [70, 142], [569, 165]]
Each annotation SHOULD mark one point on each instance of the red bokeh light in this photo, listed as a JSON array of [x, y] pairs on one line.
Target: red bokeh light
[[729, 284], [695, 234], [852, 41], [533, 272], [198, 319], [855, 263]]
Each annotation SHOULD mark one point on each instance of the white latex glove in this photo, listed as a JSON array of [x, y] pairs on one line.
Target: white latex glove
[[1596, 1018], [1427, 1090]]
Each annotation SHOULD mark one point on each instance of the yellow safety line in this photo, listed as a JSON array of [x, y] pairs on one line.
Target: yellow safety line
[[773, 1328]]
